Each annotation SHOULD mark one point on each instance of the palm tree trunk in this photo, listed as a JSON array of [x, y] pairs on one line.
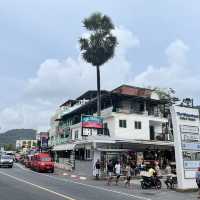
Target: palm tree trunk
[[98, 92]]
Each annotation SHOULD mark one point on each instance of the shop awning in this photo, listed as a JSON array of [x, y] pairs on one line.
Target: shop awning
[[63, 147]]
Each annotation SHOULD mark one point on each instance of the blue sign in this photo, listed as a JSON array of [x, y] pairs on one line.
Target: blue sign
[[191, 164], [191, 146]]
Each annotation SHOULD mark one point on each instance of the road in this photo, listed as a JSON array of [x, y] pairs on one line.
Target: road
[[19, 183]]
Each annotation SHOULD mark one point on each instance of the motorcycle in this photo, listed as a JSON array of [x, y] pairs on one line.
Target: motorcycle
[[151, 182]]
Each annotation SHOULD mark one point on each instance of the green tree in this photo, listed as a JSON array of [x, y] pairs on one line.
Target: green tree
[[99, 47], [166, 94], [9, 147]]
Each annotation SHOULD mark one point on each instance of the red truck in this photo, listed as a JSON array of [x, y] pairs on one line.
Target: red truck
[[42, 162]]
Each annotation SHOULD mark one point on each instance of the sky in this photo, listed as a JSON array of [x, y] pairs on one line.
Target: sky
[[41, 65]]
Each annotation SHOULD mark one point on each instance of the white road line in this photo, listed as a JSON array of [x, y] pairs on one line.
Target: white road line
[[37, 186], [93, 186]]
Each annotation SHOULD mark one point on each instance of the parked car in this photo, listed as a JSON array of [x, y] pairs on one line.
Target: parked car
[[42, 162], [6, 161]]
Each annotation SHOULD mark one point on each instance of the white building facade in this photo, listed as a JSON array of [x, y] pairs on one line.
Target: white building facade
[[135, 121]]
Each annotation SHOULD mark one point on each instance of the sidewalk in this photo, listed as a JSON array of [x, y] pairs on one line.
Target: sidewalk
[[135, 188]]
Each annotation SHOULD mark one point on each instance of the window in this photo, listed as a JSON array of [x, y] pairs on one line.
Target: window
[[76, 134], [138, 125], [122, 123]]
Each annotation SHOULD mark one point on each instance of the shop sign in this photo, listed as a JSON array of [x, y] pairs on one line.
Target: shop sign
[[187, 116], [189, 174], [91, 121], [191, 164], [189, 129], [44, 142], [187, 137], [191, 146]]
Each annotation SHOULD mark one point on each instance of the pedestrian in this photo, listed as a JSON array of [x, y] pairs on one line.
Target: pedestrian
[[110, 172], [198, 180], [157, 169], [128, 175], [117, 171], [97, 169], [168, 169]]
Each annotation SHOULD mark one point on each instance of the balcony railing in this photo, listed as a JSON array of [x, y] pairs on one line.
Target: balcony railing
[[132, 111], [58, 141]]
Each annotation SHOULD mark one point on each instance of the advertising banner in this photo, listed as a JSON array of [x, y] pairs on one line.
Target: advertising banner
[[185, 121], [91, 122]]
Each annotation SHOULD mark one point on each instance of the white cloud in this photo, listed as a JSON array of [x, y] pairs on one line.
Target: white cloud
[[67, 78], [176, 74], [59, 80], [25, 115]]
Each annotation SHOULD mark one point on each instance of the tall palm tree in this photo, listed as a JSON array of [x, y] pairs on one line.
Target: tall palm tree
[[99, 47]]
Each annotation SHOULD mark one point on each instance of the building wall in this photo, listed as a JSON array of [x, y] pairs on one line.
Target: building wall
[[130, 132]]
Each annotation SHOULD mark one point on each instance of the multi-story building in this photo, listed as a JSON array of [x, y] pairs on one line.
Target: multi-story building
[[135, 127], [25, 145]]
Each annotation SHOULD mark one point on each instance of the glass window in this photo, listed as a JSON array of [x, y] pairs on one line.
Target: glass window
[[138, 125], [122, 123]]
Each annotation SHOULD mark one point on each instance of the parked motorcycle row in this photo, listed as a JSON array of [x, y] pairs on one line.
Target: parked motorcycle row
[[155, 182]]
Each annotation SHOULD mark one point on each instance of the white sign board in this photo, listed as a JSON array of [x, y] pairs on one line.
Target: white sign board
[[189, 174], [187, 144]]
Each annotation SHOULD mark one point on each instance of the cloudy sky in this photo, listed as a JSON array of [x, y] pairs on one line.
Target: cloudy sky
[[41, 66]]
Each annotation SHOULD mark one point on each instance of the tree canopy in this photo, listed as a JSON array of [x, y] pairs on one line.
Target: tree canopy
[[99, 47]]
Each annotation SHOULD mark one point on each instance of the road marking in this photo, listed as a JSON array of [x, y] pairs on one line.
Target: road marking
[[37, 186], [93, 186]]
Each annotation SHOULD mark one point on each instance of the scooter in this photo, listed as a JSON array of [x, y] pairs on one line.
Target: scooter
[[151, 182]]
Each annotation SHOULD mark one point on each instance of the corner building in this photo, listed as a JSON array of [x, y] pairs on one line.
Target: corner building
[[135, 129]]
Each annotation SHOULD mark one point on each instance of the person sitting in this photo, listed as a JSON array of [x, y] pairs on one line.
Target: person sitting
[[151, 172], [157, 169]]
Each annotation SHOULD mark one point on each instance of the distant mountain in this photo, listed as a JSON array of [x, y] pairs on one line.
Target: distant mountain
[[10, 137]]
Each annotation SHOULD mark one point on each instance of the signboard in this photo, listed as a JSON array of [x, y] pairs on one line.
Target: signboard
[[191, 146], [187, 137], [191, 164], [187, 116], [91, 121], [87, 131], [189, 129], [44, 142], [189, 174], [185, 121]]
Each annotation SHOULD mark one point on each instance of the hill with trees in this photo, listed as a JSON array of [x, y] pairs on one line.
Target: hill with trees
[[8, 139]]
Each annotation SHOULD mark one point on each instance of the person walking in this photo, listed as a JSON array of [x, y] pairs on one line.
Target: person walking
[[128, 175], [110, 172], [117, 171], [198, 181], [97, 168]]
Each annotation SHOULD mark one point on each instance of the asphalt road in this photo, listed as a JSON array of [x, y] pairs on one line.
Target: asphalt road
[[19, 183], [22, 184]]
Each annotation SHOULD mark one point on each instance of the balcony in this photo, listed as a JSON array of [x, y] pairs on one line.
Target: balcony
[[58, 141], [129, 111]]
